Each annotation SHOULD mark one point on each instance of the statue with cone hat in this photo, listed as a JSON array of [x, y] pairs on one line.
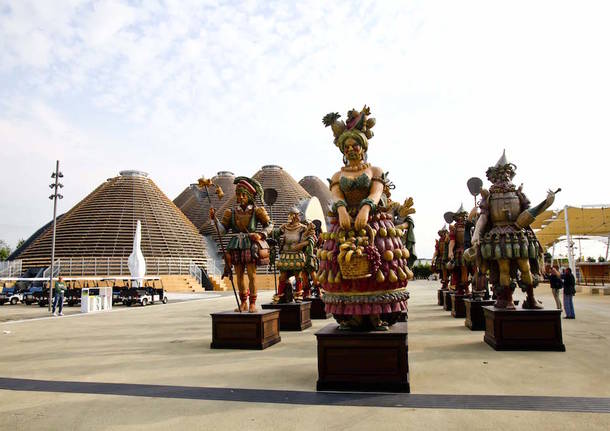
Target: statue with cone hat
[[507, 246], [248, 248], [363, 262], [455, 253], [439, 258], [296, 258]]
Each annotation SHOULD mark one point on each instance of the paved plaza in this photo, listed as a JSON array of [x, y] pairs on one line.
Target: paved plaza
[[152, 368]]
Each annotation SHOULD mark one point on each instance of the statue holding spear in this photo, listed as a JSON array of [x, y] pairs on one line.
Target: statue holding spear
[[247, 248]]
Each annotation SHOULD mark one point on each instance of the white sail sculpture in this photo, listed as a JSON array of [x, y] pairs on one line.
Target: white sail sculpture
[[136, 262]]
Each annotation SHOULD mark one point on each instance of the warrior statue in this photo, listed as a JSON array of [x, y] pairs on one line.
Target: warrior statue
[[455, 254], [296, 257], [439, 258], [247, 248], [507, 245], [363, 265], [311, 285]]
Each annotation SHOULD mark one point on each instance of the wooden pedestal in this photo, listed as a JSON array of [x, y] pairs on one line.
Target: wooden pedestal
[[318, 310], [447, 300], [523, 329], [457, 305], [475, 320], [234, 330], [363, 361], [404, 316], [294, 316], [440, 297]]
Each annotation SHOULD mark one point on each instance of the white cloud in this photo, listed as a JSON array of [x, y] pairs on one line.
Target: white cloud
[[179, 88]]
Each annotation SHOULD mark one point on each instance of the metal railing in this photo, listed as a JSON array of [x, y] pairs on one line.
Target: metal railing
[[196, 272], [10, 268], [56, 270], [215, 261], [103, 266]]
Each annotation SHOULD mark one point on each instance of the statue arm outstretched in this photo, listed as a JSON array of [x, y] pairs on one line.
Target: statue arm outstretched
[[479, 228]]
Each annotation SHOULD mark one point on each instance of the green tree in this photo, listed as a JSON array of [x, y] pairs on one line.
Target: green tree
[[5, 250], [20, 243]]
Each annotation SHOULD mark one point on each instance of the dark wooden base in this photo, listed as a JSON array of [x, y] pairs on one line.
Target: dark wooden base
[[475, 320], [447, 300], [363, 361], [523, 329], [457, 305], [404, 316], [318, 310], [440, 297], [234, 330], [294, 316]]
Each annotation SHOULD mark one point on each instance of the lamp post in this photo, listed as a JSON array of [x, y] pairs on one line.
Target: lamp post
[[55, 186]]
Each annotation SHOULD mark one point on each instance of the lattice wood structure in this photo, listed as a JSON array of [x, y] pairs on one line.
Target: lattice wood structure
[[101, 227], [194, 203], [316, 187]]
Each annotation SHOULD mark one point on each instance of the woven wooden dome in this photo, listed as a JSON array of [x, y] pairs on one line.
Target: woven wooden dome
[[194, 203], [316, 187], [102, 226]]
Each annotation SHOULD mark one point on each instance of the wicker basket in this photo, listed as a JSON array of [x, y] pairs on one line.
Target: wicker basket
[[359, 266]]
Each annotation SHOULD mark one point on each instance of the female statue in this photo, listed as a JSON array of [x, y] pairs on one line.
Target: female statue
[[297, 241], [363, 263]]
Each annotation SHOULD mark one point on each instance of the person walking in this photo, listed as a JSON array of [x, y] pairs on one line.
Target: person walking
[[556, 285], [58, 296], [569, 290]]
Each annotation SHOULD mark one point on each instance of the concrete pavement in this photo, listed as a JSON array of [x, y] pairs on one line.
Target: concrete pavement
[[169, 346]]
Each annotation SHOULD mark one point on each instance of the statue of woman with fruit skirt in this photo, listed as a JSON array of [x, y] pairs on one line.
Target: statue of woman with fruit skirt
[[363, 262]]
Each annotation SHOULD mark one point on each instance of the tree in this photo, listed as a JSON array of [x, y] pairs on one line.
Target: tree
[[20, 243], [5, 250]]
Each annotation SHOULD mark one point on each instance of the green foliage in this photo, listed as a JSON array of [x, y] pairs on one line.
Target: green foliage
[[5, 250], [590, 259], [601, 259], [20, 243], [422, 271]]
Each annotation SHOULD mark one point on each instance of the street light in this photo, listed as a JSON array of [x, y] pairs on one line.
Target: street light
[[55, 186]]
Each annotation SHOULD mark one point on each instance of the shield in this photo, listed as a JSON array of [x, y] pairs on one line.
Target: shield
[[448, 217], [270, 196], [311, 211], [475, 185]]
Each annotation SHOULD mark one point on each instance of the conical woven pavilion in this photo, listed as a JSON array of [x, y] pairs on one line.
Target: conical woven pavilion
[[95, 237], [316, 187], [194, 203]]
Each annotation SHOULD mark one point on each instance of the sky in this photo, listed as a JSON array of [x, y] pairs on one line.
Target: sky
[[181, 89]]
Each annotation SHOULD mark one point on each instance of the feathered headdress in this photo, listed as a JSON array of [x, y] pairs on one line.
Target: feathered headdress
[[358, 123]]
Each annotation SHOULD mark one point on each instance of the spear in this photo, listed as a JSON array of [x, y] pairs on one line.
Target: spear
[[270, 196], [204, 184]]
